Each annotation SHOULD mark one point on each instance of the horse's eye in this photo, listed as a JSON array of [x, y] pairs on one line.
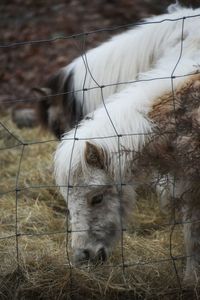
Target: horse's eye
[[96, 199]]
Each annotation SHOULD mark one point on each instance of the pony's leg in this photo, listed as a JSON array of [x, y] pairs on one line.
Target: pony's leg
[[191, 219], [164, 191]]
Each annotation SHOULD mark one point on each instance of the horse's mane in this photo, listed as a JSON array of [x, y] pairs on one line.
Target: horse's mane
[[131, 130], [122, 58]]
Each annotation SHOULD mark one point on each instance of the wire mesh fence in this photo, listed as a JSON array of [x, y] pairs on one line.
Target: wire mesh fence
[[26, 182]]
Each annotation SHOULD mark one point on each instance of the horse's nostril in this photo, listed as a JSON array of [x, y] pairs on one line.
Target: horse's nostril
[[86, 254], [81, 256], [102, 256]]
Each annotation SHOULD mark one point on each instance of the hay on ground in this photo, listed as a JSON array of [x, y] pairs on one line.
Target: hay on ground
[[34, 250]]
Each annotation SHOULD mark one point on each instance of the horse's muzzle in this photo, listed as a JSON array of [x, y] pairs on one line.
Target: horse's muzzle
[[83, 256]]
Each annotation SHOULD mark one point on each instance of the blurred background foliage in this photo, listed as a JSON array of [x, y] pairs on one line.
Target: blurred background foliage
[[24, 67]]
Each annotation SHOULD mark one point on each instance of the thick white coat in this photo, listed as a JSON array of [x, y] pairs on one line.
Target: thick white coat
[[124, 124], [125, 56]]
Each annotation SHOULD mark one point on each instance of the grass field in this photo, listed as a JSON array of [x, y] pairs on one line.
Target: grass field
[[34, 249]]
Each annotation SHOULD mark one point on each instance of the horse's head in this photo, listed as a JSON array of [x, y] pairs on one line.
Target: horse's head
[[97, 206], [57, 109]]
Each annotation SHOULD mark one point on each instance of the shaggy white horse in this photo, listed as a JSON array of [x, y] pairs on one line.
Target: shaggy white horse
[[113, 65], [147, 127]]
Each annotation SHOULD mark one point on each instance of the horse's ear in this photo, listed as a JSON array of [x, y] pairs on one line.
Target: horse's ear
[[43, 91], [94, 156]]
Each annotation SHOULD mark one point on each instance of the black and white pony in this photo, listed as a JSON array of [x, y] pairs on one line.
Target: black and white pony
[[150, 126], [112, 65]]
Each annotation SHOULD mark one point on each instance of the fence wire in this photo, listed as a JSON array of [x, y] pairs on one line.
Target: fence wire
[[80, 41]]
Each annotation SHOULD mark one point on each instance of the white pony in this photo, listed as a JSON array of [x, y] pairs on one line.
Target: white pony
[[112, 65], [147, 127]]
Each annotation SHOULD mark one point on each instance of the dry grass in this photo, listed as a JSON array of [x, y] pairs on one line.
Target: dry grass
[[40, 268]]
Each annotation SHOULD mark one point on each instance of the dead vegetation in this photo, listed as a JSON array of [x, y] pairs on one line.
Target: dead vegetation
[[34, 250]]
